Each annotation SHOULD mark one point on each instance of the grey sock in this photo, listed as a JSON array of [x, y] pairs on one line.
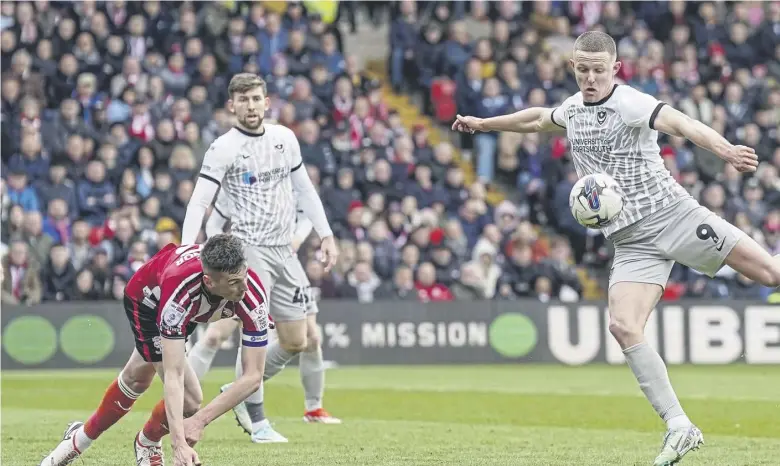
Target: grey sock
[[312, 378], [650, 371], [275, 359], [256, 411]]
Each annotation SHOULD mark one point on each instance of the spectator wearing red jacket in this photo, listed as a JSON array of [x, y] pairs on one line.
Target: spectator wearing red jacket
[[427, 288]]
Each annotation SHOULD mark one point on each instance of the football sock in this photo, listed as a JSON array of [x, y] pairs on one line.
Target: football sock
[[116, 402], [650, 371], [275, 360], [156, 427], [256, 412], [312, 378], [200, 357]]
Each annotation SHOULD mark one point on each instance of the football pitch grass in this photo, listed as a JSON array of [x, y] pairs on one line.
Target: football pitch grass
[[464, 415]]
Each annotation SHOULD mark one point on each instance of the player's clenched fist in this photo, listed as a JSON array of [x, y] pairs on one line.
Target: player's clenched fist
[[743, 158], [467, 124]]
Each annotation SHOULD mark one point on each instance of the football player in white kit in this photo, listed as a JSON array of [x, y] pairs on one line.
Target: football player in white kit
[[614, 129], [312, 370], [259, 167]]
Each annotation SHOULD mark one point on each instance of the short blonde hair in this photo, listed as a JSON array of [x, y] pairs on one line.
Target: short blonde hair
[[245, 82]]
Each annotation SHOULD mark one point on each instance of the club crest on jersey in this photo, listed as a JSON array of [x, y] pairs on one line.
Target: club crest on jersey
[[279, 147], [227, 313], [601, 116], [592, 194], [249, 178]]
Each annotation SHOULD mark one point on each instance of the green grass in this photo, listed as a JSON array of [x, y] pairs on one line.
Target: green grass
[[482, 415]]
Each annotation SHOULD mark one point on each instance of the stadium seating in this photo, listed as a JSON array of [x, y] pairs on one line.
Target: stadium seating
[[107, 111]]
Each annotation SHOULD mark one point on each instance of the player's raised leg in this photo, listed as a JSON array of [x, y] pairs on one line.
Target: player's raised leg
[[148, 442], [312, 369], [751, 260], [120, 396], [202, 353]]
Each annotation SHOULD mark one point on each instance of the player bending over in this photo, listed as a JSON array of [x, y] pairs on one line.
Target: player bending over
[[311, 363], [260, 171], [178, 288], [614, 129]]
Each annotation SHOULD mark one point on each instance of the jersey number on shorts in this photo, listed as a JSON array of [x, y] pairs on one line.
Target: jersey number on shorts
[[705, 232], [301, 296]]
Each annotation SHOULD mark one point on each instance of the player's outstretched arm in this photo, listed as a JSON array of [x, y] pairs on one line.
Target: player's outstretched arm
[[530, 120], [173, 387], [675, 123], [253, 364]]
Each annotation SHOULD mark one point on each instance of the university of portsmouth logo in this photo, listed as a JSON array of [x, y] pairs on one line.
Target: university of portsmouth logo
[[592, 194], [601, 116], [249, 178]]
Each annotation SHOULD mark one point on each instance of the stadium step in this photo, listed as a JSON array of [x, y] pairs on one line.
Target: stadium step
[[411, 116]]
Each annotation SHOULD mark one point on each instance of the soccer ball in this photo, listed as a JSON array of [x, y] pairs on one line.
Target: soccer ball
[[595, 200]]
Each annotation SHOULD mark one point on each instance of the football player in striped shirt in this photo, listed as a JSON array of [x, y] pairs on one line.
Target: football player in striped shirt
[[165, 299], [258, 167]]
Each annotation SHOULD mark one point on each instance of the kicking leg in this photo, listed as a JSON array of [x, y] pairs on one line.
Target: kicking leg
[[120, 396], [205, 349], [630, 305], [312, 371], [751, 260]]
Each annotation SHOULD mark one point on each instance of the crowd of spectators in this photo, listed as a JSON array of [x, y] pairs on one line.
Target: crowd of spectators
[[108, 108], [718, 62]]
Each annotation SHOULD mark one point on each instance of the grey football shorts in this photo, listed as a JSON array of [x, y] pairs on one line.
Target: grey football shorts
[[285, 281], [684, 232]]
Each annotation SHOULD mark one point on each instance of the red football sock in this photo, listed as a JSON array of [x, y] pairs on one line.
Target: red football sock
[[157, 425], [116, 402]]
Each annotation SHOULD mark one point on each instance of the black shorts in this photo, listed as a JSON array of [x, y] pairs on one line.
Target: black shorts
[[143, 321]]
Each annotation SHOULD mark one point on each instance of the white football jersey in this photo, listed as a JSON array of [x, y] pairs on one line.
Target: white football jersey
[[616, 136], [253, 172], [223, 207]]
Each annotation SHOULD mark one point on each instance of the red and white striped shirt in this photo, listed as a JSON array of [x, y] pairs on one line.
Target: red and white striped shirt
[[171, 284]]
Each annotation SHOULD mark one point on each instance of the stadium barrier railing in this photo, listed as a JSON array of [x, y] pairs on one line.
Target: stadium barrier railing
[[69, 335]]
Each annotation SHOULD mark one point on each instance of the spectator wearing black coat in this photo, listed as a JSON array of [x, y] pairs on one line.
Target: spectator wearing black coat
[[59, 276]]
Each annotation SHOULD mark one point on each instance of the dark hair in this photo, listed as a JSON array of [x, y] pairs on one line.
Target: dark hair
[[223, 253], [596, 41], [245, 82]]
